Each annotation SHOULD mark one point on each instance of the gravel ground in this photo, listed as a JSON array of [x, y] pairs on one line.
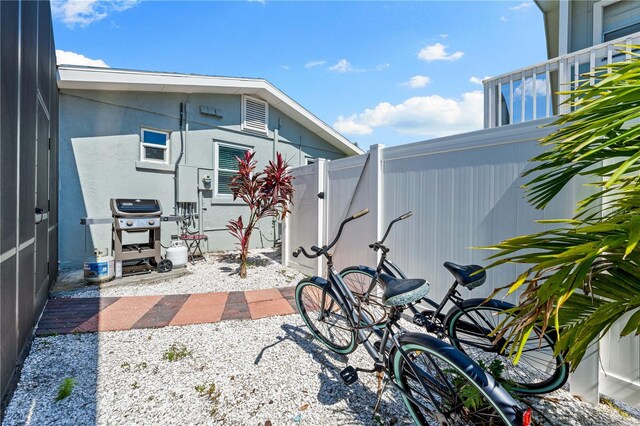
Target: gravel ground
[[234, 373], [218, 272]]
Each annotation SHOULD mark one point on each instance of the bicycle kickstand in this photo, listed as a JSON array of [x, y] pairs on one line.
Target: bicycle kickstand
[[382, 385]]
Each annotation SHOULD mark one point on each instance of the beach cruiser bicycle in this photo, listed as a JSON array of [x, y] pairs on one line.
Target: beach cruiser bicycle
[[439, 384], [469, 324]]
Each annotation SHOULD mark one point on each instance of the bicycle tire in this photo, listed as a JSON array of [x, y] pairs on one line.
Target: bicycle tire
[[358, 279], [334, 330], [454, 382], [538, 370]]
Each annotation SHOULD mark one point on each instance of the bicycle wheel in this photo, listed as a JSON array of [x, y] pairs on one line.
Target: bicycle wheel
[[327, 321], [444, 386], [358, 279], [538, 370]]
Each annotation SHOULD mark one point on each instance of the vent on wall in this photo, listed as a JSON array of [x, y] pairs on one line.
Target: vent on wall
[[255, 114]]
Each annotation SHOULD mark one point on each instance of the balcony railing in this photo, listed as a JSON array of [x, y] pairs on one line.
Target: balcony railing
[[531, 93]]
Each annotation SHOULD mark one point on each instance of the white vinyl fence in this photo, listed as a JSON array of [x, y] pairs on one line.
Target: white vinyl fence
[[465, 191]]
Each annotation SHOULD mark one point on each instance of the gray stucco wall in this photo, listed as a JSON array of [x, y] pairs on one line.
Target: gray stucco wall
[[100, 159]]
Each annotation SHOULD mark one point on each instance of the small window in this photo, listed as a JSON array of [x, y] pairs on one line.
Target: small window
[[227, 166], [255, 114], [154, 146]]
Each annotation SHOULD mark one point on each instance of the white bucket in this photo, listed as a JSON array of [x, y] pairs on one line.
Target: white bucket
[[177, 254], [99, 268]]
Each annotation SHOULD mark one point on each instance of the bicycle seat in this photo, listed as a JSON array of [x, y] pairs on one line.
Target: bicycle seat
[[402, 291], [465, 274]]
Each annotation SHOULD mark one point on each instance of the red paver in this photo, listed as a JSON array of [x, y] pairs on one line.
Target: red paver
[[124, 313], [68, 315], [270, 308], [200, 309], [262, 295]]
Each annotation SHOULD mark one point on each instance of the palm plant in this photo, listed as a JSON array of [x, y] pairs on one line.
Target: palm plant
[[267, 194], [584, 275]]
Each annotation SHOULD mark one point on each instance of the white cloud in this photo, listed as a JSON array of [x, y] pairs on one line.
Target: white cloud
[[72, 58], [350, 126], [426, 116], [344, 66], [417, 81], [312, 64], [444, 35], [478, 80], [437, 52], [285, 67], [503, 19], [382, 67], [84, 12], [541, 88], [523, 5]]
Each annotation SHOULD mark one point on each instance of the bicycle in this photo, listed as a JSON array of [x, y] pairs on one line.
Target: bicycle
[[438, 383], [469, 323]]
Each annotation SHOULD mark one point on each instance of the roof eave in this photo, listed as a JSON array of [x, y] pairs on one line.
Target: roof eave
[[90, 78]]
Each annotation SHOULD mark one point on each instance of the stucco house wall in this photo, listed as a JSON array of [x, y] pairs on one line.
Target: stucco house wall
[[100, 134]]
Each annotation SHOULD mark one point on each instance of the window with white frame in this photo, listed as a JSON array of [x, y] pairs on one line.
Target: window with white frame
[[255, 114], [154, 146], [614, 19], [227, 165]]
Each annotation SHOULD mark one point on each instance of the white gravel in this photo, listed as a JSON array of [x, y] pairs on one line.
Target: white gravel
[[217, 272], [269, 369]]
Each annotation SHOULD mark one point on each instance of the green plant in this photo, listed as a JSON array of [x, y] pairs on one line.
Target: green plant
[[212, 394], [267, 194], [584, 275], [176, 352], [65, 388]]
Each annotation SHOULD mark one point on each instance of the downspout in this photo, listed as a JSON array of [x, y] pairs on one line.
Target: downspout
[[175, 172], [276, 133]]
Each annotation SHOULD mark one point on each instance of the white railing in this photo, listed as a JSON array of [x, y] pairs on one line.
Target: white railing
[[532, 93]]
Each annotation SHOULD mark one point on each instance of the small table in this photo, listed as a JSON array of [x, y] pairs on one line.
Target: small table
[[194, 251]]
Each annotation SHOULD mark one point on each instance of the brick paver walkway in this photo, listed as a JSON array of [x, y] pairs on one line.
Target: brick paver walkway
[[85, 315]]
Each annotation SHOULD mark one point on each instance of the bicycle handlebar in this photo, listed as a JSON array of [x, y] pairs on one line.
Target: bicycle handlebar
[[398, 219], [325, 249]]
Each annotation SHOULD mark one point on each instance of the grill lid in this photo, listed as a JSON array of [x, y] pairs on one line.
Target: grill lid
[[124, 207]]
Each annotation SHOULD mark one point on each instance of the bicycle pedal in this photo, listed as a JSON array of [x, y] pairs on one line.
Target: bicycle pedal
[[419, 320], [349, 375]]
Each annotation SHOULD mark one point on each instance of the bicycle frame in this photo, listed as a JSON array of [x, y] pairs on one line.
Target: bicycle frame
[[345, 296]]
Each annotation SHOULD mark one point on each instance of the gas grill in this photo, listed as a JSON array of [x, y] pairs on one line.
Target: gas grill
[[136, 215]]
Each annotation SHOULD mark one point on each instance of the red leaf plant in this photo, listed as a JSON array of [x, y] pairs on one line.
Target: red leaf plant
[[267, 194]]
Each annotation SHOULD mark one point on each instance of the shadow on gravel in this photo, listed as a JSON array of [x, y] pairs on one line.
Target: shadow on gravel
[[360, 399], [54, 360]]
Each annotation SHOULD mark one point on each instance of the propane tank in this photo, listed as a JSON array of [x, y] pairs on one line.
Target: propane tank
[[99, 267], [177, 253]]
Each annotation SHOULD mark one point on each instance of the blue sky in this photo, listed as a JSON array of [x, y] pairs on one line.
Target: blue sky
[[379, 72]]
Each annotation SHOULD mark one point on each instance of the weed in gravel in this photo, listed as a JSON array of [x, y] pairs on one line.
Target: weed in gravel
[[135, 385], [140, 366], [609, 403], [65, 388], [176, 352], [125, 366], [212, 394], [51, 334]]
